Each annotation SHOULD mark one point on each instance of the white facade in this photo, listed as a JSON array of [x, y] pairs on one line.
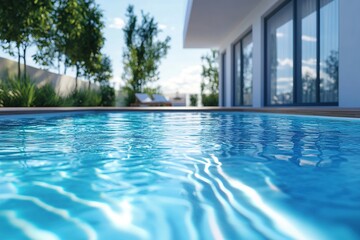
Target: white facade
[[219, 24]]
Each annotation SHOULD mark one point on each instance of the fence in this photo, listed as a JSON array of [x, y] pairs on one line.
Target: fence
[[62, 84]]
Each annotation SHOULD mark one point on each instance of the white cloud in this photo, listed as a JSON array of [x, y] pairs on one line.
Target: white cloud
[[308, 71], [284, 80], [187, 81], [117, 23], [163, 26], [286, 62], [308, 38], [310, 62]]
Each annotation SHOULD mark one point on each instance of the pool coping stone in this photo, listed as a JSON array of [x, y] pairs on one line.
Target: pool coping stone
[[314, 111]]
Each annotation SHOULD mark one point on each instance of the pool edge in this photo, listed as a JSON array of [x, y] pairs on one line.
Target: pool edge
[[328, 111]]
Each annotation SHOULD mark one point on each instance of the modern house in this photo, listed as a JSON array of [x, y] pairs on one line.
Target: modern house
[[281, 52]]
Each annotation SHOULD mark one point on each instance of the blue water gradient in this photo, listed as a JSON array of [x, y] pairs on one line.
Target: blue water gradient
[[179, 176]]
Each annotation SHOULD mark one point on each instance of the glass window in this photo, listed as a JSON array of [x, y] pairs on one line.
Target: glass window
[[237, 74], [243, 67], [280, 59], [223, 77], [247, 57], [302, 63], [309, 40], [329, 50]]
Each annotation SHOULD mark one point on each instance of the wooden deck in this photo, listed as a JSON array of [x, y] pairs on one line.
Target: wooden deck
[[315, 111]]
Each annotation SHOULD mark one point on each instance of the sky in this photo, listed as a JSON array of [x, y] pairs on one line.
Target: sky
[[179, 71]]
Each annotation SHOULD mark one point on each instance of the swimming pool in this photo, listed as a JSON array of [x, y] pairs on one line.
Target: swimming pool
[[179, 176]]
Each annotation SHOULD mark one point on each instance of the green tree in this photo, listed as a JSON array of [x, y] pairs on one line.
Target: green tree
[[142, 54], [210, 79], [64, 30], [22, 23], [91, 40], [103, 71], [107, 96], [75, 38], [193, 100], [67, 29]]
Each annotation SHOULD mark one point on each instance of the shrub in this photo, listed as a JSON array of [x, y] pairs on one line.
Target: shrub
[[23, 93], [83, 98], [47, 97], [210, 99], [107, 96], [18, 92], [193, 100]]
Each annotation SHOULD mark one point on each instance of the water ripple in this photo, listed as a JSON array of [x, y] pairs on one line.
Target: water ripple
[[179, 176]]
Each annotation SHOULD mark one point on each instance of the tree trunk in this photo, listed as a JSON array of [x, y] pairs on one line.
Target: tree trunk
[[19, 60], [65, 66], [24, 58], [89, 85], [58, 66], [76, 79]]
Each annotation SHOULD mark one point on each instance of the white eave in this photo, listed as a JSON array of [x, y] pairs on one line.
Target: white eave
[[208, 22]]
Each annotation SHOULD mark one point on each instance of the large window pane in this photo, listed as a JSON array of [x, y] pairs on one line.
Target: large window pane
[[311, 67], [223, 78], [247, 70], [237, 80], [329, 50], [308, 16], [280, 49]]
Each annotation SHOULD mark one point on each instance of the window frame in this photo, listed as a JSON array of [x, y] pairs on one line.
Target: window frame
[[223, 78], [233, 47], [297, 83]]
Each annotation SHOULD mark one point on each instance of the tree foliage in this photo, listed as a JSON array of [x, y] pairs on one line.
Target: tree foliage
[[103, 70], [142, 54], [66, 32], [193, 100], [332, 65], [210, 79], [22, 24]]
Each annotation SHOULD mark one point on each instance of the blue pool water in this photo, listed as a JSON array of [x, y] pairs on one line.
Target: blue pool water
[[179, 176]]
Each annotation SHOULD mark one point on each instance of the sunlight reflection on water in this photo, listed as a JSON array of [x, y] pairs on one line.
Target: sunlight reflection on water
[[179, 176]]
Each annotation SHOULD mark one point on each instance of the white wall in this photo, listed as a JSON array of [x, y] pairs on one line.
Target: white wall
[[349, 54], [63, 84], [254, 21]]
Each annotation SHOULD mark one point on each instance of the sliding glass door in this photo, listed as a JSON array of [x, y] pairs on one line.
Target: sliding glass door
[[302, 53], [280, 56], [223, 78], [243, 71], [329, 50], [308, 38]]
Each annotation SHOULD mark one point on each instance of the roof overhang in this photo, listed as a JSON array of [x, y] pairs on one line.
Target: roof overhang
[[208, 22]]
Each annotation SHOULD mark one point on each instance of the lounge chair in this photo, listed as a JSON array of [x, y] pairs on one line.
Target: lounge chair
[[161, 100], [142, 100]]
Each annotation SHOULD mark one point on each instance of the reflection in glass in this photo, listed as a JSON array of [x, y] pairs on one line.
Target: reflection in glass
[[329, 45], [237, 82], [280, 48], [247, 72], [309, 51], [223, 77]]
